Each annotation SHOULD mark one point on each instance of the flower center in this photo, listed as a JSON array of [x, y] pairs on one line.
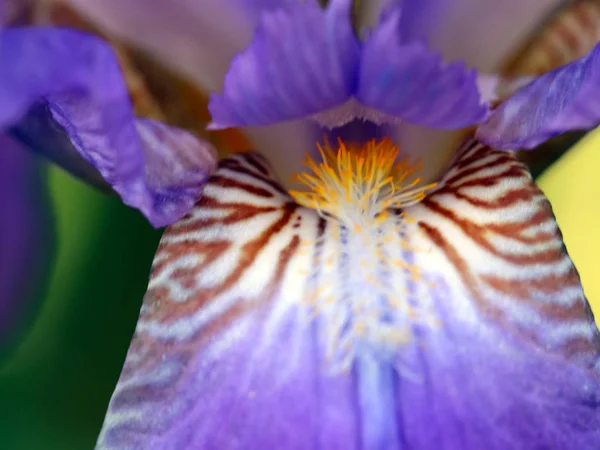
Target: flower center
[[361, 281], [357, 184]]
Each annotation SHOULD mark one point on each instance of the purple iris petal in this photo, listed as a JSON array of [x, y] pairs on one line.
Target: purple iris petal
[[39, 132], [418, 18], [278, 400], [477, 388], [77, 77], [409, 81], [565, 99], [305, 61], [247, 336], [301, 61]]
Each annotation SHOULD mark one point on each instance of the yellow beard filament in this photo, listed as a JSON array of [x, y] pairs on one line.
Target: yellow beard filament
[[362, 188], [357, 184]]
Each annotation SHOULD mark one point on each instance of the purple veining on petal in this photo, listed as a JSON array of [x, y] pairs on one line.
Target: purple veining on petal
[[177, 165], [78, 77], [304, 61], [301, 61], [565, 99], [411, 82]]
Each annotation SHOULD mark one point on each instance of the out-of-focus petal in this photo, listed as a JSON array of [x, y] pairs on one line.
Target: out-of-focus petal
[[26, 238], [410, 82], [302, 60], [197, 37], [78, 79], [483, 34], [255, 333], [9, 10], [570, 34], [565, 99]]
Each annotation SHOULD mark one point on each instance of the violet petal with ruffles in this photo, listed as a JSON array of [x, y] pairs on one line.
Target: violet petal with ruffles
[[412, 83], [77, 78], [302, 60], [306, 61]]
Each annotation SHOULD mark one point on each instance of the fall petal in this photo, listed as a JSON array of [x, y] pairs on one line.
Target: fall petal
[[265, 327], [516, 361], [561, 100], [261, 384], [73, 79]]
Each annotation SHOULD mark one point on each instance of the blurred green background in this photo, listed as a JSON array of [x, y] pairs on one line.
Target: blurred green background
[[55, 386]]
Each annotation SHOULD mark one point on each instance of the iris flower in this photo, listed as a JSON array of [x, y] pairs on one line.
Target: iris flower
[[365, 304]]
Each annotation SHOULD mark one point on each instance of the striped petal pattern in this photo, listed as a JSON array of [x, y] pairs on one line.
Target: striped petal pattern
[[260, 330]]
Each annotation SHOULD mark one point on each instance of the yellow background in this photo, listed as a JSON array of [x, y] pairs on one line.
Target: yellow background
[[573, 187]]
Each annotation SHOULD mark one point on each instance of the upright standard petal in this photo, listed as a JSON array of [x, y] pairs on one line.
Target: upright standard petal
[[565, 99], [461, 324], [408, 81], [302, 60], [76, 77]]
